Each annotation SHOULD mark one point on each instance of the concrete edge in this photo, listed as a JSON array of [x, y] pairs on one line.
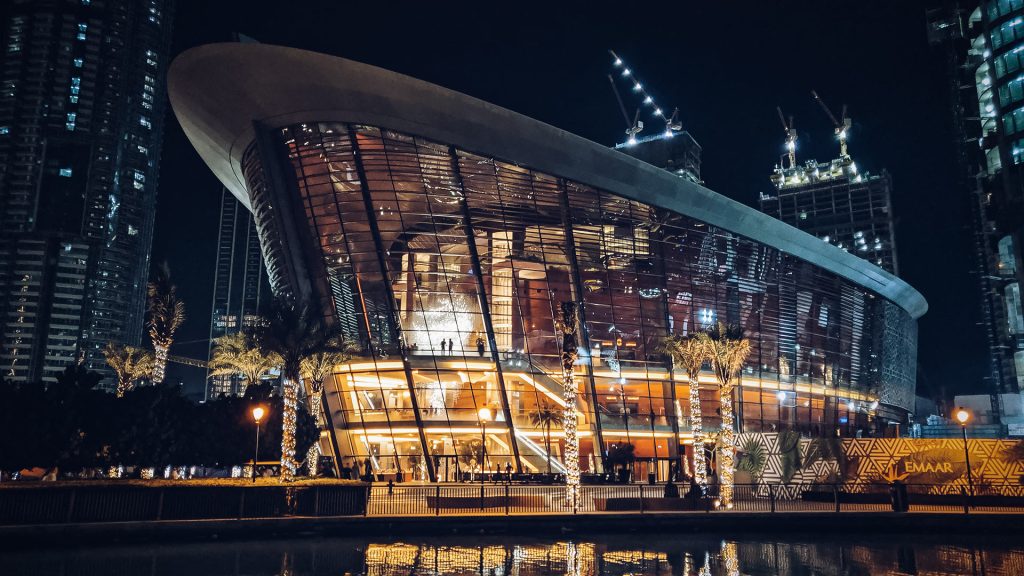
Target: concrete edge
[[113, 533]]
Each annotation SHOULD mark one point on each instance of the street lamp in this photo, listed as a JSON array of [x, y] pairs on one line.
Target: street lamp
[[962, 416], [257, 415], [485, 415]]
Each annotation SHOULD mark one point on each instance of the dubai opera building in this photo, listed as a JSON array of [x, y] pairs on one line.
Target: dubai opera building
[[443, 233]]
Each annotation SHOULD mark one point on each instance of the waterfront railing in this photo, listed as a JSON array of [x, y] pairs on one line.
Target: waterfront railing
[[84, 503]]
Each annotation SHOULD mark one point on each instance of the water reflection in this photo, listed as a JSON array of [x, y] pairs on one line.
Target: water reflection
[[682, 555]]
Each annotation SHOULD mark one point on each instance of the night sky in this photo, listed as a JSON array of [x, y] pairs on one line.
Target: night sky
[[726, 65]]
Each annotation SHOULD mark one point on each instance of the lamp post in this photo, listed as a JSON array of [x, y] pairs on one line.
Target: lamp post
[[962, 416], [257, 415], [485, 415]]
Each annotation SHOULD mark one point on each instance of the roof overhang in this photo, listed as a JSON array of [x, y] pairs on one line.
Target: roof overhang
[[218, 91]]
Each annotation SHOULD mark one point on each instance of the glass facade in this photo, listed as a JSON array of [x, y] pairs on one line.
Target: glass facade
[[450, 268]]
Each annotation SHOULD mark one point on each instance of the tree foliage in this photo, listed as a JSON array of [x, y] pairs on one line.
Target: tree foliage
[[130, 364], [240, 354], [71, 424]]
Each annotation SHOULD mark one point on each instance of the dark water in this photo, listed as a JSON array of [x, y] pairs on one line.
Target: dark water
[[682, 555]]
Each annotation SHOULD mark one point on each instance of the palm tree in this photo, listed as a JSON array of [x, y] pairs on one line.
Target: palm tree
[[570, 350], [729, 350], [129, 365], [166, 314], [318, 365], [291, 333], [544, 417], [239, 353], [690, 353]]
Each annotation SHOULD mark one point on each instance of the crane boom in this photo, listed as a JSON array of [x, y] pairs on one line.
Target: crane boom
[[790, 137], [671, 124], [842, 128], [825, 108]]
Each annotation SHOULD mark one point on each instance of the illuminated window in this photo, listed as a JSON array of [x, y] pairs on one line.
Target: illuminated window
[[65, 172]]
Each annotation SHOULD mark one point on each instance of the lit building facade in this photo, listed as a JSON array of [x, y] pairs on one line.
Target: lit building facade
[[81, 125], [443, 234], [995, 30]]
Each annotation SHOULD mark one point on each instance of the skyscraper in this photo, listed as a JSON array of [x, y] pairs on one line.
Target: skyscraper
[[838, 204], [81, 125], [983, 44], [238, 283]]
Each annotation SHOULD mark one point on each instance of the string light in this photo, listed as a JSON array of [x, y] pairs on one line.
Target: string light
[[291, 401], [638, 87], [700, 467], [690, 353], [728, 355], [313, 459], [569, 418]]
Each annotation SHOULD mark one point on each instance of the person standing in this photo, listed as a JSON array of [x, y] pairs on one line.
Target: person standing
[[480, 346], [443, 344], [451, 346]]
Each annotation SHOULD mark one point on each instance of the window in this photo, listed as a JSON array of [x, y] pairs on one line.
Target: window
[[80, 36], [83, 27], [76, 81], [5, 130], [69, 126], [78, 62], [139, 176], [144, 121], [72, 116], [73, 99], [74, 89], [142, 149], [65, 172]]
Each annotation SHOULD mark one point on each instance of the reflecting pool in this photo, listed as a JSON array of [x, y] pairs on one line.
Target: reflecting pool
[[628, 555]]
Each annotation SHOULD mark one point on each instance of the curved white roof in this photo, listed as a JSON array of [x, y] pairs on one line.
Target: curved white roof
[[219, 90]]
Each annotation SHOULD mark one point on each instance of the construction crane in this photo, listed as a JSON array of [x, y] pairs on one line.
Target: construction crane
[[790, 138], [634, 127], [842, 128]]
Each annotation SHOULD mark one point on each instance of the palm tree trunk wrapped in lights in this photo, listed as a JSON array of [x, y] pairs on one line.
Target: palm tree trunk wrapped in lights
[[166, 314], [569, 421], [290, 399], [729, 350], [313, 459], [293, 334], [690, 353]]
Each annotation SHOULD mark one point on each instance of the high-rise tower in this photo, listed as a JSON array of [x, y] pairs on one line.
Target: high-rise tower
[[838, 204], [985, 48], [238, 283], [81, 125]]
